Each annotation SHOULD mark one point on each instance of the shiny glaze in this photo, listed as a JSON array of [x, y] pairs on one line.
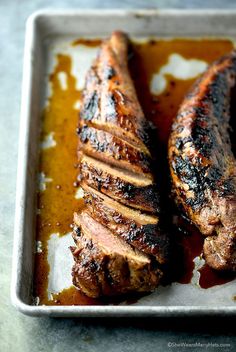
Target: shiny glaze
[[58, 203]]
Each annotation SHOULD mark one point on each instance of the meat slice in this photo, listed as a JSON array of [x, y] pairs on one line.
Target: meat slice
[[109, 99], [202, 164], [115, 151], [129, 188], [106, 265], [138, 229]]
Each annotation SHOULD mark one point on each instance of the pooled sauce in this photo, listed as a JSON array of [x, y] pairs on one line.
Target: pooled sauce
[[210, 277], [57, 202], [72, 296], [87, 42]]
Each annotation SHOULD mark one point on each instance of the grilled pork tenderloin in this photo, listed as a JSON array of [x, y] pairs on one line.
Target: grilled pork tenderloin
[[119, 234], [202, 164]]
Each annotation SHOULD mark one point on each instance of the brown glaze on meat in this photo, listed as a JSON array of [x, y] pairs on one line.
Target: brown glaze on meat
[[124, 186], [140, 230], [116, 167], [109, 99], [106, 265], [112, 149], [202, 164]]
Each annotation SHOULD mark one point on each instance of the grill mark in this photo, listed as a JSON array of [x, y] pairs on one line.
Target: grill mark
[[109, 72], [91, 106], [208, 137], [116, 149]]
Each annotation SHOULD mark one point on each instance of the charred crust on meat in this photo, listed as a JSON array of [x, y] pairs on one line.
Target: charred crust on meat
[[111, 111], [199, 179], [180, 142], [90, 107], [120, 246], [202, 138], [145, 197], [77, 231], [147, 237], [227, 188], [109, 72], [94, 267], [202, 162], [87, 134], [114, 147], [97, 271]]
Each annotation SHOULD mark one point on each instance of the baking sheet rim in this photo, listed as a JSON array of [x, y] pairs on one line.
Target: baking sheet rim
[[20, 204]]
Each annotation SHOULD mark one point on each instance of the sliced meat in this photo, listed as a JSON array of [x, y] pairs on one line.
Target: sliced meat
[[115, 151], [109, 99], [138, 229], [116, 167], [106, 265], [129, 188], [202, 164]]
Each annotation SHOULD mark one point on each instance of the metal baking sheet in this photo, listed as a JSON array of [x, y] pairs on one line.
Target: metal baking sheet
[[54, 29]]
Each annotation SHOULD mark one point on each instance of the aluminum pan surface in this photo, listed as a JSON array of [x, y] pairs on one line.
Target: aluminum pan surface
[[173, 300]]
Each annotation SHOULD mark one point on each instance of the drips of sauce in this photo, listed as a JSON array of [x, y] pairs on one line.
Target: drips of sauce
[[210, 277], [72, 296], [88, 42], [57, 203]]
